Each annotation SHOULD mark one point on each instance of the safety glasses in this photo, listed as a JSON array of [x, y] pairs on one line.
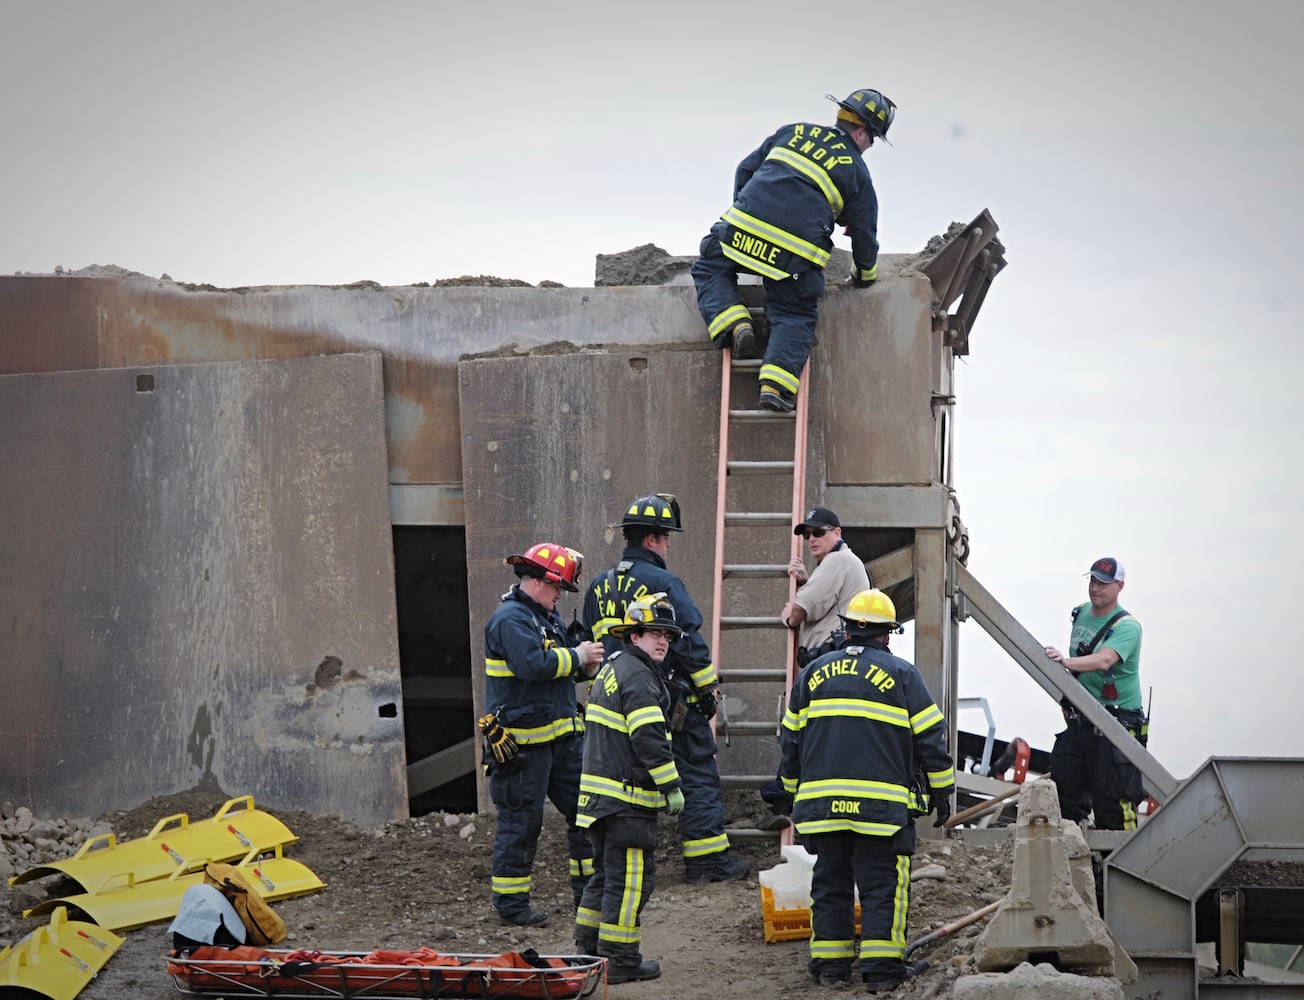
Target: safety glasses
[[814, 532]]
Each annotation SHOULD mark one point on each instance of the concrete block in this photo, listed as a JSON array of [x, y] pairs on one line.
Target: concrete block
[[1039, 982], [1044, 916]]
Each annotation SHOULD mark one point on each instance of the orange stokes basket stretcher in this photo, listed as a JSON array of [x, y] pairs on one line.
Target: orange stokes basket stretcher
[[382, 974]]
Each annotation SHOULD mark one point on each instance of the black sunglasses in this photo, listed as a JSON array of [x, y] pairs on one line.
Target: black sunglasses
[[814, 532]]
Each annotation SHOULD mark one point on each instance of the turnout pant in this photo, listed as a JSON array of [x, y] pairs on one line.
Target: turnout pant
[[791, 308], [701, 824], [607, 922], [879, 867], [519, 788], [1093, 777]]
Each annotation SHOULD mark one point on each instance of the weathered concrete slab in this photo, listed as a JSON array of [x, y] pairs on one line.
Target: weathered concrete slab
[[197, 580], [1036, 982], [1045, 912]]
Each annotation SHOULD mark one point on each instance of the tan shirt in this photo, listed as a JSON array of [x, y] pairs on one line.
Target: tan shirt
[[838, 578]]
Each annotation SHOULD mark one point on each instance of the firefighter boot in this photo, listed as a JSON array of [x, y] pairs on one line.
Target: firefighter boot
[[877, 983], [719, 868], [744, 342], [524, 918], [776, 399], [628, 973]]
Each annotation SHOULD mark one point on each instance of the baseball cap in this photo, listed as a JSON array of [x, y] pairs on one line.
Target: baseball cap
[[1107, 569], [818, 517]]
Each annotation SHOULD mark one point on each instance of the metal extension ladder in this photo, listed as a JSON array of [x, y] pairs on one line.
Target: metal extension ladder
[[756, 635]]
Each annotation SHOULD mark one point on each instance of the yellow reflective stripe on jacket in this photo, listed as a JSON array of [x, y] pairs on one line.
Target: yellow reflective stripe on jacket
[[603, 625], [752, 264], [853, 788], [813, 171], [665, 774], [941, 779], [605, 717], [704, 677], [855, 826], [565, 664], [565, 661], [795, 244], [546, 734], [926, 719], [595, 784], [827, 708], [648, 716]]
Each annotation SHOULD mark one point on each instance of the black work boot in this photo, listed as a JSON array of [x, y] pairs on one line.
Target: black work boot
[[721, 869], [632, 973], [524, 918], [744, 342], [886, 983], [778, 400]]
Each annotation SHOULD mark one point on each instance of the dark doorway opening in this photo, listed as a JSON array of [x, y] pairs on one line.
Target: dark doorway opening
[[434, 644]]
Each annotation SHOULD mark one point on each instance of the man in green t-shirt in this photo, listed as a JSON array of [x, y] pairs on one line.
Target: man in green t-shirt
[[1092, 777]]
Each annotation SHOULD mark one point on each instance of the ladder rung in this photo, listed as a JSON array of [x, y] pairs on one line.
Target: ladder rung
[[758, 468], [758, 415], [752, 833], [750, 519], [752, 364], [751, 570], [744, 780], [751, 621], [758, 674], [752, 729]]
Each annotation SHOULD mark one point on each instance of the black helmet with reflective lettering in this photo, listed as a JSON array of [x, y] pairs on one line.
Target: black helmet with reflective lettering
[[657, 511], [867, 108]]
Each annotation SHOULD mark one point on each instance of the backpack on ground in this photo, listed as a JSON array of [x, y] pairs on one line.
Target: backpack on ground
[[261, 922]]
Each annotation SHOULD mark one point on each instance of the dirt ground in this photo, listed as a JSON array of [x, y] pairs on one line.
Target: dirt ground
[[425, 881]]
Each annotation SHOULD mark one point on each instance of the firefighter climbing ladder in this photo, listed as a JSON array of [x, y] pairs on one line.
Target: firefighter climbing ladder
[[746, 614]]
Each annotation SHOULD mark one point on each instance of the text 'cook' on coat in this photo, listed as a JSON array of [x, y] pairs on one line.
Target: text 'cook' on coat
[[789, 194], [629, 763], [530, 671], [859, 724], [639, 573]]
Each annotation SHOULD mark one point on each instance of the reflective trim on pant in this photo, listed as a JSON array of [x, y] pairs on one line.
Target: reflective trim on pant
[[610, 912], [880, 868], [792, 309], [701, 824], [716, 280], [519, 788]]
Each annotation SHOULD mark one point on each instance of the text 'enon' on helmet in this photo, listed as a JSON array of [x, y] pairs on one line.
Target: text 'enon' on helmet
[[870, 607], [869, 108], [652, 611], [658, 511], [549, 561]]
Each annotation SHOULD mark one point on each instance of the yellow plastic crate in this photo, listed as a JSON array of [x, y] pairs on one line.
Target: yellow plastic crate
[[789, 924]]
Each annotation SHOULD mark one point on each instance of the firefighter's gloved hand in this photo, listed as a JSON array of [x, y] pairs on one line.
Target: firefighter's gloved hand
[[675, 802], [501, 743], [943, 806], [708, 702]]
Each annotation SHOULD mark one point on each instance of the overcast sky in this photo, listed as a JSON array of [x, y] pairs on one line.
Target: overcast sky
[[1134, 382]]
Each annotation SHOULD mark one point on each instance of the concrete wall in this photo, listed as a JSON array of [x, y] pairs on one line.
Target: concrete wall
[[526, 413], [197, 588]]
